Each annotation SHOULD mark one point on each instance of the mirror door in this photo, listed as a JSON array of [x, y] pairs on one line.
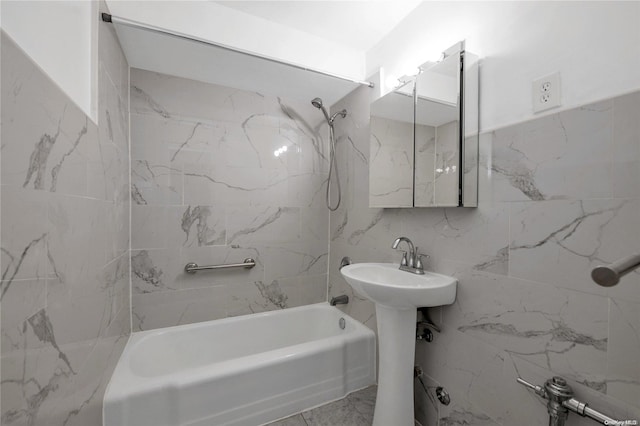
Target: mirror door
[[424, 137]]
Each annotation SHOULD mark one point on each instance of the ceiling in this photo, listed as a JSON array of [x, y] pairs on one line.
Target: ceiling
[[357, 24], [176, 56]]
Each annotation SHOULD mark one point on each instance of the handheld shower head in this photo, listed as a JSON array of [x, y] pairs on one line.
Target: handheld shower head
[[317, 102]]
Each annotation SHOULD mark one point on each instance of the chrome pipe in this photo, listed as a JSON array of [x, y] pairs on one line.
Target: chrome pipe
[[139, 25], [599, 417], [192, 268], [344, 262], [584, 410], [537, 389], [560, 401], [427, 321], [429, 324], [609, 275]]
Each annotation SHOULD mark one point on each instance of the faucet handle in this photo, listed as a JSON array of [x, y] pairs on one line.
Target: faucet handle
[[404, 262], [419, 263]]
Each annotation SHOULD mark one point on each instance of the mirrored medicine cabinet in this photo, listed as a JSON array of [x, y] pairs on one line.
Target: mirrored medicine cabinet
[[424, 137]]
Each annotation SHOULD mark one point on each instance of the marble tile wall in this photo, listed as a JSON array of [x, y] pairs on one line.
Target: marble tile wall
[[65, 240], [558, 195], [213, 184]]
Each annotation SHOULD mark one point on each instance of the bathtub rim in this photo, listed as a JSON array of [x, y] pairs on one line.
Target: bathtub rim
[[139, 336]]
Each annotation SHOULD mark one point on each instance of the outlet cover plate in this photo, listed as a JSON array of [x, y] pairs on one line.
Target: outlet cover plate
[[546, 92]]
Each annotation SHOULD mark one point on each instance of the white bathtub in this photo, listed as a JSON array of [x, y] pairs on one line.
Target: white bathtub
[[247, 370]]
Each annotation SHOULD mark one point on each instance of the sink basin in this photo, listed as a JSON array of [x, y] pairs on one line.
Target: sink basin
[[397, 294], [386, 284]]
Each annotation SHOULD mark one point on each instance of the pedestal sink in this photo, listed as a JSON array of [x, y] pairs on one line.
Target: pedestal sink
[[397, 294]]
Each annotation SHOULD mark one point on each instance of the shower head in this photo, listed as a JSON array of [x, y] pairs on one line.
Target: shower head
[[317, 102]]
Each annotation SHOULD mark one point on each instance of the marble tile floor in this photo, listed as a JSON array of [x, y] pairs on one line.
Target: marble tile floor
[[356, 409]]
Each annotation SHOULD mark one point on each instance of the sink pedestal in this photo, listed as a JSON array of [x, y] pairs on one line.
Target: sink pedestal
[[397, 337], [397, 294]]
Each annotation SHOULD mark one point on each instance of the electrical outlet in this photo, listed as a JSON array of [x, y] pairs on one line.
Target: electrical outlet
[[546, 92]]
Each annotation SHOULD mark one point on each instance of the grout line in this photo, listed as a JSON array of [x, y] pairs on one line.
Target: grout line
[[130, 203], [45, 288]]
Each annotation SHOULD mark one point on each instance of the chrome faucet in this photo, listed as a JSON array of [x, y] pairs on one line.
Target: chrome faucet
[[412, 251], [412, 262], [343, 299]]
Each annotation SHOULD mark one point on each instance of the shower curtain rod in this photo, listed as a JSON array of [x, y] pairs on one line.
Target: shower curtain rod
[[106, 17]]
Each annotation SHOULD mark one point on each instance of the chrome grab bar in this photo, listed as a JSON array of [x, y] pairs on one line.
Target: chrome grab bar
[[610, 275], [192, 268]]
